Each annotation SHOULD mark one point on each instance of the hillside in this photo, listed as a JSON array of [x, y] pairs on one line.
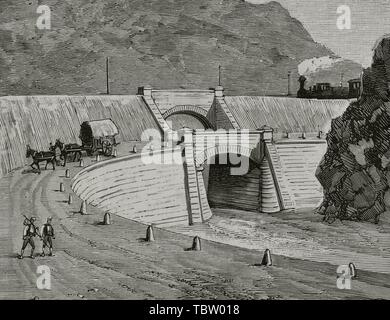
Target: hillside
[[170, 43]]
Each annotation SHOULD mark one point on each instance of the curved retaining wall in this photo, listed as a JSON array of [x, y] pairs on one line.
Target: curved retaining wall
[[126, 186], [39, 120]]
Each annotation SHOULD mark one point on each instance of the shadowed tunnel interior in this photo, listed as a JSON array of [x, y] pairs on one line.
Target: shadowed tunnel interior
[[226, 190]]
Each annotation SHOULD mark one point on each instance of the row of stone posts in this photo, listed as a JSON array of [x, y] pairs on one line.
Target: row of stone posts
[[196, 243]]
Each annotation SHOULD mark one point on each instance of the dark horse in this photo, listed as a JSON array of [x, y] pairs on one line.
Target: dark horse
[[40, 156], [66, 149]]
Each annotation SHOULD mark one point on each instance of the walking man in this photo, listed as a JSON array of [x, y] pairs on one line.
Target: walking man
[[47, 233], [29, 232]]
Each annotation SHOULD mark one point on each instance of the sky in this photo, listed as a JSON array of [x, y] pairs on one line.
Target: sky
[[370, 19]]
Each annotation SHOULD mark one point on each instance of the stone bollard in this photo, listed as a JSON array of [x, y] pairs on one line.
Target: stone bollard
[[319, 135], [150, 149], [135, 149], [62, 188], [97, 157], [83, 208], [70, 199], [107, 219], [267, 259], [81, 163], [352, 270], [287, 135], [67, 173], [115, 153], [303, 135], [196, 245], [150, 234]]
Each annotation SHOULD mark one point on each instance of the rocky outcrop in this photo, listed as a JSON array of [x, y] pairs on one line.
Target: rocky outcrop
[[355, 171]]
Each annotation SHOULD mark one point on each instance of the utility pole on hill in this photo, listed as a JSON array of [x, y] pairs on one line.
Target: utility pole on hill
[[289, 84], [107, 76], [219, 75]]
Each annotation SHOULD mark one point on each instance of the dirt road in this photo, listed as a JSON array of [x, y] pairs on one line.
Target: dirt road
[[302, 235], [93, 261]]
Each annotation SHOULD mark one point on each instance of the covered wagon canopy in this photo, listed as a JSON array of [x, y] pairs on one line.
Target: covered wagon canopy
[[97, 129], [103, 128]]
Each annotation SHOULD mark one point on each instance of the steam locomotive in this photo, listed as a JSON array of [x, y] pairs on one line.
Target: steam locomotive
[[326, 91]]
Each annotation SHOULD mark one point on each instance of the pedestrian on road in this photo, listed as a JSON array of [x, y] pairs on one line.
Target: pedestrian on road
[[47, 233], [29, 232]]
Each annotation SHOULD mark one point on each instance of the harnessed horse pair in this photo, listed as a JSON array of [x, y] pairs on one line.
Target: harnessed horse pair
[[59, 151]]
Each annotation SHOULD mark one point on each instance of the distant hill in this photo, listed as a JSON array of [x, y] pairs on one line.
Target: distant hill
[[164, 43]]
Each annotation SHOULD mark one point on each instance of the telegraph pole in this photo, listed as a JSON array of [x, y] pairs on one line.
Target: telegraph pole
[[107, 76], [288, 84], [219, 75]]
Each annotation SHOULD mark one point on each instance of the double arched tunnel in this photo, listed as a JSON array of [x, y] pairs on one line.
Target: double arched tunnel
[[232, 179]]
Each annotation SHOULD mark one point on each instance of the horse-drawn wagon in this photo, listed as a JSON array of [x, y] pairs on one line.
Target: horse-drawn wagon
[[99, 136]]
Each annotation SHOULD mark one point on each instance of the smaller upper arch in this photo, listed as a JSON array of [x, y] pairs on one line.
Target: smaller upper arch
[[196, 111]]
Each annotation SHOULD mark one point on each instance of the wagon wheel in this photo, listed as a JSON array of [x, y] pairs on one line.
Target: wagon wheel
[[107, 148]]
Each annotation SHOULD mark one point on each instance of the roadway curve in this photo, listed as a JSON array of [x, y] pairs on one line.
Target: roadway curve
[[112, 262]]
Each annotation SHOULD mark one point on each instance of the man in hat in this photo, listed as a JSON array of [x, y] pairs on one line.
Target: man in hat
[[29, 232], [47, 233]]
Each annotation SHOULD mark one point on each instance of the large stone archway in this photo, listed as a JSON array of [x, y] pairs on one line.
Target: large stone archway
[[225, 189], [232, 176]]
